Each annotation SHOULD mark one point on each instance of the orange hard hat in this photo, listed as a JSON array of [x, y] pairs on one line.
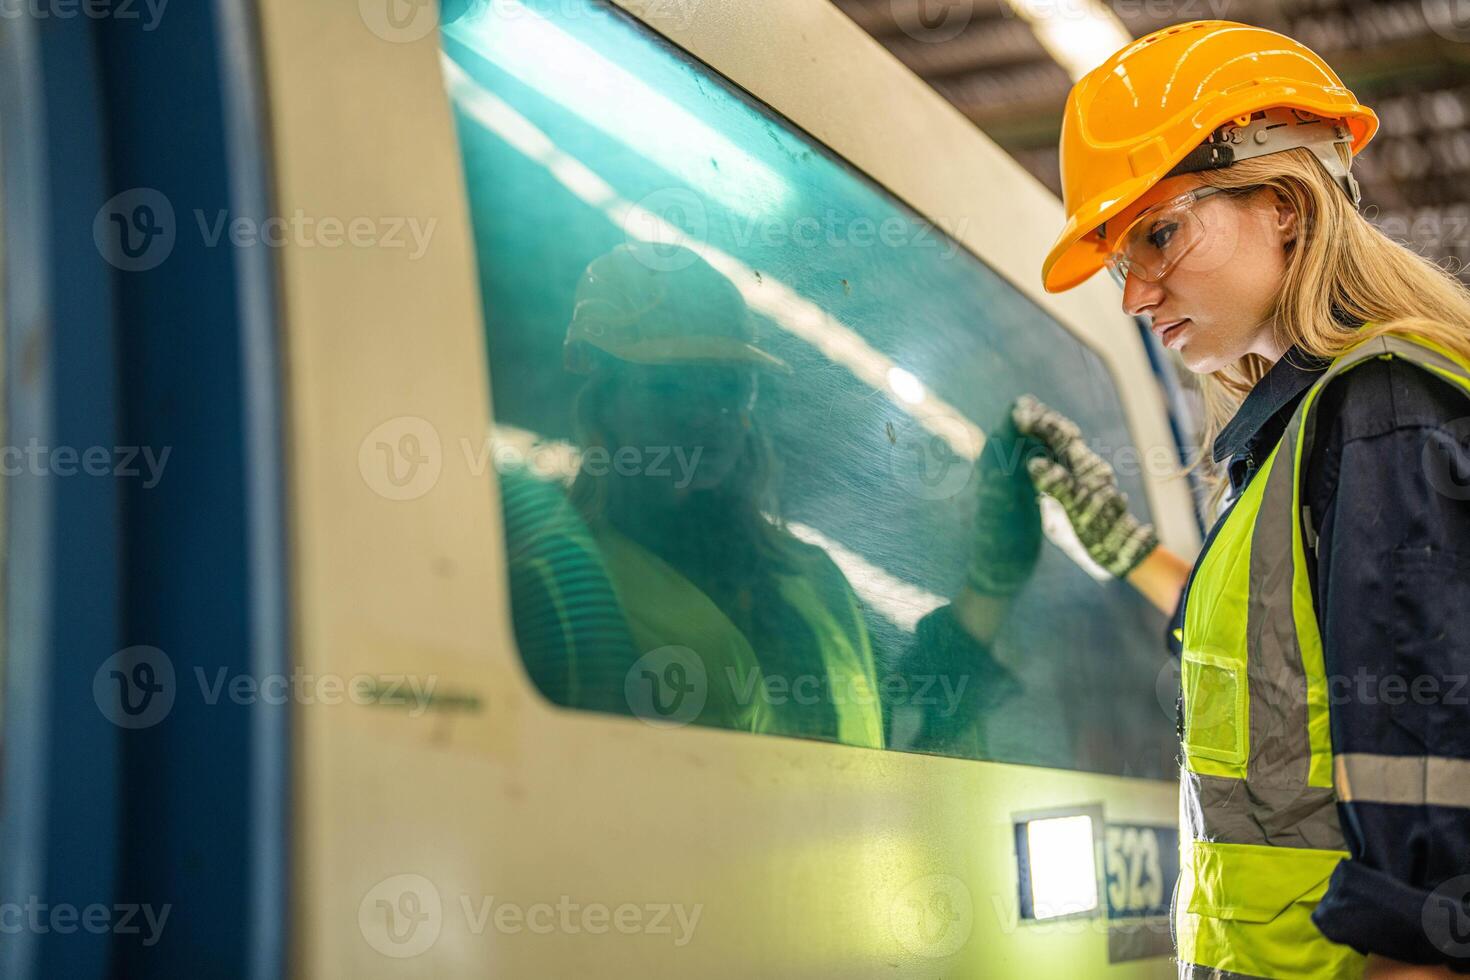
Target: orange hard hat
[[1131, 121]]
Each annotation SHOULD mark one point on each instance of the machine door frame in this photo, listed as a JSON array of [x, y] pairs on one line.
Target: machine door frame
[[400, 817]]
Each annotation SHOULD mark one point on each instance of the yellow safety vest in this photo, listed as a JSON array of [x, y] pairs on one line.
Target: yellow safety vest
[[1259, 833], [663, 608], [589, 602]]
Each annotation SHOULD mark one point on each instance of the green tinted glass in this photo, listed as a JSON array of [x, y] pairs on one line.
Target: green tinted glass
[[739, 393]]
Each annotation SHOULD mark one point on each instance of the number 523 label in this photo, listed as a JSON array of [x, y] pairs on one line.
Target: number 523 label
[[1142, 866]]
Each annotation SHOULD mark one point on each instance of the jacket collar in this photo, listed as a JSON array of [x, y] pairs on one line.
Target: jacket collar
[[1277, 391]]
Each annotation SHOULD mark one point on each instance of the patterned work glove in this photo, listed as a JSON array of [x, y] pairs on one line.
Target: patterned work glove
[[1086, 487], [1007, 537]]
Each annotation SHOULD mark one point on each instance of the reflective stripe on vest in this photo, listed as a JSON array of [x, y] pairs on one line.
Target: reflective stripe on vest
[[1259, 834]]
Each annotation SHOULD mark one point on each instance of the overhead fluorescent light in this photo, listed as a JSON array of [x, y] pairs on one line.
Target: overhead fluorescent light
[[1078, 34]]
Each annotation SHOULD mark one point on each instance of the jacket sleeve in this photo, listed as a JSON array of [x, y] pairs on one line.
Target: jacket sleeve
[[1390, 488]]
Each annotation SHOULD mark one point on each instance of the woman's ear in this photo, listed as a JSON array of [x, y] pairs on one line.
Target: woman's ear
[[1285, 220]]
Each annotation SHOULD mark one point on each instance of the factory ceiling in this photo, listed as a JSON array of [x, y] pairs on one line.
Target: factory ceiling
[[1008, 64]]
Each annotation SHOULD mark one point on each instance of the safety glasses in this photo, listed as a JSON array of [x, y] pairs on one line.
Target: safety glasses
[[1158, 238]]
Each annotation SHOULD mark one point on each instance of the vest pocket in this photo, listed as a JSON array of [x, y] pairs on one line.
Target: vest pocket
[[1215, 719], [1247, 909], [1254, 883]]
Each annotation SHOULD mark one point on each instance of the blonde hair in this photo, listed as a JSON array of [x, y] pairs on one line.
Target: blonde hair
[[1340, 268]]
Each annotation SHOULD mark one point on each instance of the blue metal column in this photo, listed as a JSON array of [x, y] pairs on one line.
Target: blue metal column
[[59, 810]]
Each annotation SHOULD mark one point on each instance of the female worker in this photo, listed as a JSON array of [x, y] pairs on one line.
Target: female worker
[[1325, 811]]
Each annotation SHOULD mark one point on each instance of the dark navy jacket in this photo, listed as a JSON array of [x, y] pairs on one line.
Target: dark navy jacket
[[1389, 488]]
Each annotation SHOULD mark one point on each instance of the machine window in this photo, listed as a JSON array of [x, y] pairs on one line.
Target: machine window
[[740, 393]]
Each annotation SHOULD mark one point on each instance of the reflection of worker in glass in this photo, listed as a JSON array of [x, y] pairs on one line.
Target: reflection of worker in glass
[[676, 489], [693, 547]]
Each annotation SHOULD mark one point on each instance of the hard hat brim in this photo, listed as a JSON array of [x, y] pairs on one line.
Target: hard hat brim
[[696, 351], [1077, 255]]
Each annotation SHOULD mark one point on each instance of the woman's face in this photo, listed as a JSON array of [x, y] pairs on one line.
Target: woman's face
[[696, 417], [1217, 303]]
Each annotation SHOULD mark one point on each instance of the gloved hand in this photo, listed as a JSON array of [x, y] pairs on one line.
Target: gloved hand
[[1086, 487], [1007, 536]]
